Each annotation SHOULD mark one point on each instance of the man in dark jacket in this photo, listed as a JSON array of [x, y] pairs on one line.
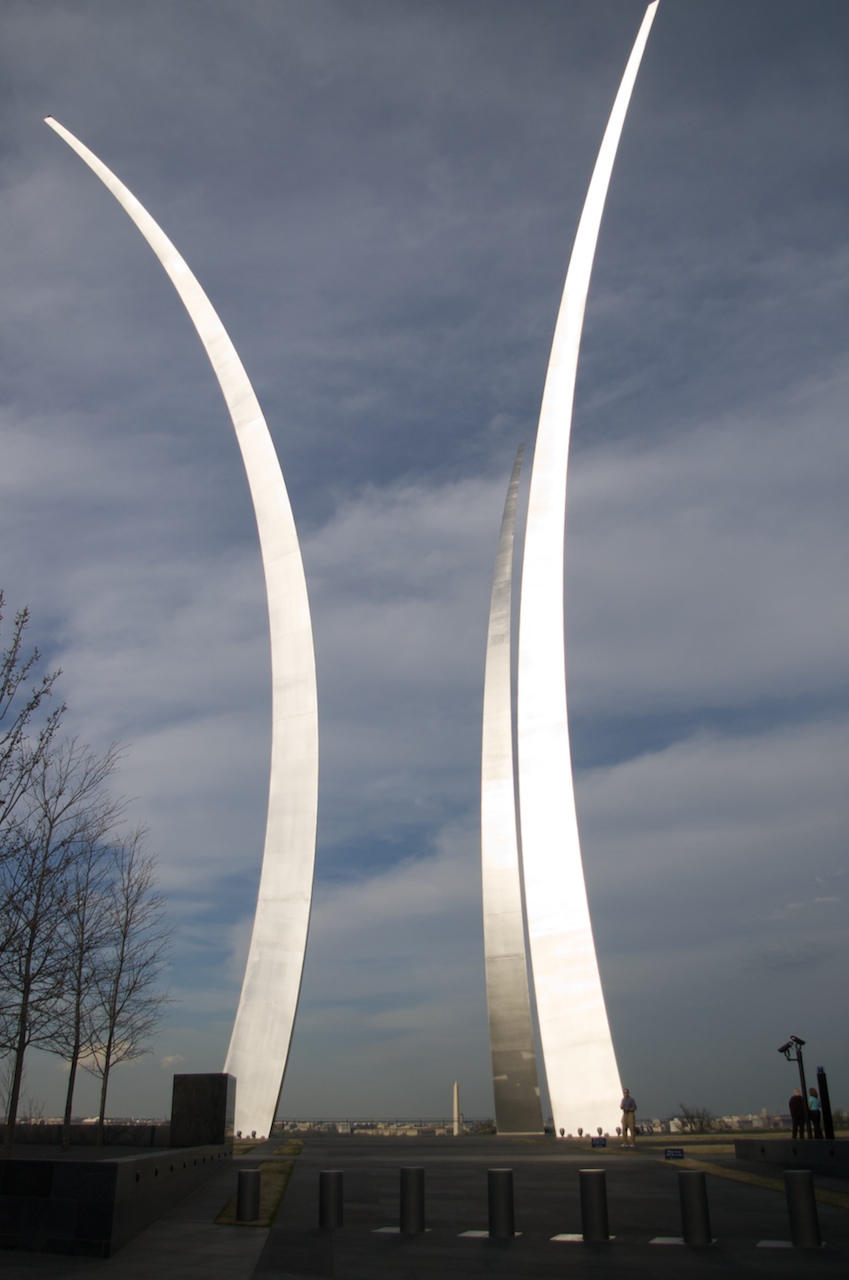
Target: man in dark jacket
[[797, 1113]]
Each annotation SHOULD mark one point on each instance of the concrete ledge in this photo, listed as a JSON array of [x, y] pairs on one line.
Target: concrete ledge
[[93, 1207], [819, 1156], [85, 1135]]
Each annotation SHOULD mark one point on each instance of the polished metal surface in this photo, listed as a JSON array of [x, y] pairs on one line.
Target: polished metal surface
[[511, 1039], [259, 1046], [580, 1064]]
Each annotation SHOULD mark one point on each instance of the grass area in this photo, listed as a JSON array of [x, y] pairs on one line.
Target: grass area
[[276, 1172], [275, 1179]]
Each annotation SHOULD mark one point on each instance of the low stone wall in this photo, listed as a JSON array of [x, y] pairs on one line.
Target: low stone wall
[[820, 1156], [85, 1135], [93, 1207]]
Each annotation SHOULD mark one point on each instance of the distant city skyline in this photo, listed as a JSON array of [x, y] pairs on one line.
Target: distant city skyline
[[380, 201]]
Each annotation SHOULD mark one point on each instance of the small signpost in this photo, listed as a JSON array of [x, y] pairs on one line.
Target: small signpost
[[599, 1142], [674, 1153]]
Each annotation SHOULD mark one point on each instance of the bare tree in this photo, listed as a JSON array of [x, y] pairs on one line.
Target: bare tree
[[129, 1000], [86, 932], [64, 809], [26, 729], [82, 933], [7, 1070], [696, 1119], [29, 1108]]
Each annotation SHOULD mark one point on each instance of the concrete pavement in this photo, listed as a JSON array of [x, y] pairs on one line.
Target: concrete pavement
[[642, 1198]]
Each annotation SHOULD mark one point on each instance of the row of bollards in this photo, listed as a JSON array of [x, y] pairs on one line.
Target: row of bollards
[[692, 1194]]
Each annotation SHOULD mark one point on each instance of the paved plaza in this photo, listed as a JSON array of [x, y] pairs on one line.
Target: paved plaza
[[642, 1198]]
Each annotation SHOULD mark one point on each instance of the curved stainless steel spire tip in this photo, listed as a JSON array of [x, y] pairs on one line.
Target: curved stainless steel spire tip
[[511, 1039], [580, 1063], [262, 1033]]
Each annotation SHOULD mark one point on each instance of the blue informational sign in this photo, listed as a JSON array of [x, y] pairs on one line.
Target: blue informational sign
[[599, 1142], [674, 1153]]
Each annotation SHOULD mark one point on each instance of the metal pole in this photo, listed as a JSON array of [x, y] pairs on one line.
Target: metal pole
[[825, 1105], [802, 1208], [695, 1218], [330, 1199], [594, 1205], [412, 1200], [804, 1091], [500, 1189], [248, 1195]]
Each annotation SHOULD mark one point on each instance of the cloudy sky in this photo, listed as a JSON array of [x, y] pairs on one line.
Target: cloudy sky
[[379, 197]]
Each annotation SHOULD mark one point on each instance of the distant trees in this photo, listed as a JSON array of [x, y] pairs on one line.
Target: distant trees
[[696, 1119], [82, 932]]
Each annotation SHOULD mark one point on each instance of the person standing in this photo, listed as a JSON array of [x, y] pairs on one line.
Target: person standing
[[628, 1108], [797, 1114], [814, 1111]]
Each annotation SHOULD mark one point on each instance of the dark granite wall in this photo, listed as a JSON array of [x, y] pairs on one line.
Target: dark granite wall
[[93, 1207], [820, 1156]]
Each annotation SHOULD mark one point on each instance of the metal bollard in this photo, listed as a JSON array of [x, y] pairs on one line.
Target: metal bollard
[[802, 1208], [247, 1195], [695, 1219], [412, 1200], [500, 1189], [330, 1199], [594, 1205]]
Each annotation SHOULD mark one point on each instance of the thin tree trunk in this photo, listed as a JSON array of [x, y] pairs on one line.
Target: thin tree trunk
[[75, 1056], [69, 1100], [107, 1066], [17, 1077], [101, 1119], [20, 1050]]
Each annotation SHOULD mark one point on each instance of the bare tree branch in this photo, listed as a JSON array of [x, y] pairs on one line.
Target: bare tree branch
[[20, 751]]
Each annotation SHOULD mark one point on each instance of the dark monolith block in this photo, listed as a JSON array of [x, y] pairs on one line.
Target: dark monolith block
[[202, 1110]]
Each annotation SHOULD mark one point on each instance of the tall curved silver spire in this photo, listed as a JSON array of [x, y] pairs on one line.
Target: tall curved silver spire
[[262, 1033], [580, 1063], [515, 1080]]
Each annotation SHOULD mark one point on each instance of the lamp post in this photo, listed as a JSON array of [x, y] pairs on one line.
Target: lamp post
[[794, 1043]]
